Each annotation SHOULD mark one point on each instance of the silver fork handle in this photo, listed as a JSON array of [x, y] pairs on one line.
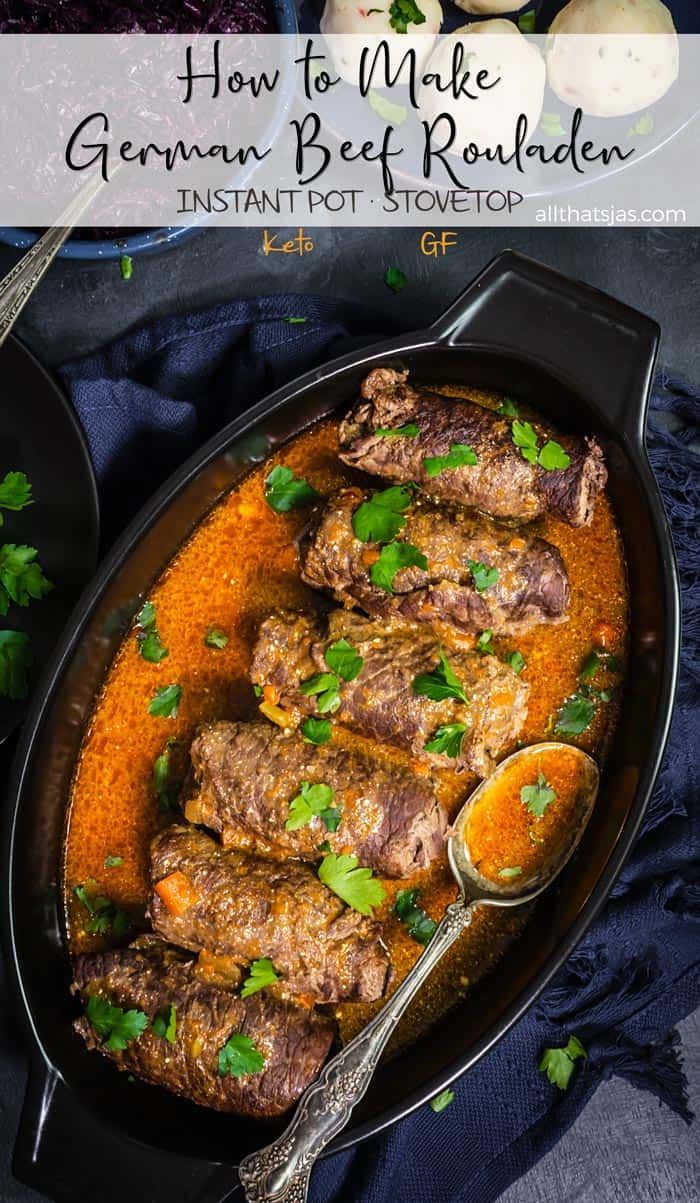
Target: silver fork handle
[[19, 283], [280, 1172]]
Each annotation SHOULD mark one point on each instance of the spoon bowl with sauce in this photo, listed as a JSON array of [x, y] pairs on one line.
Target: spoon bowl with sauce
[[513, 836]]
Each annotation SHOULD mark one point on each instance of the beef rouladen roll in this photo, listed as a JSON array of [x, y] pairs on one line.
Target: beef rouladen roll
[[380, 700], [477, 574], [465, 452], [244, 908], [253, 1055], [253, 789]]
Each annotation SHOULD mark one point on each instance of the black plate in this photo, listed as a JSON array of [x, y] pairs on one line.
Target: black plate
[[40, 435], [584, 360]]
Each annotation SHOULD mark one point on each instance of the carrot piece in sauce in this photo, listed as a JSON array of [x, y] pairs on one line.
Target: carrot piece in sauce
[[177, 893]]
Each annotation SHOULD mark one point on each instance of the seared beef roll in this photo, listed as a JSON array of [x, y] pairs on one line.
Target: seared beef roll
[[380, 701], [501, 482], [243, 907], [283, 1049], [249, 774], [479, 574]]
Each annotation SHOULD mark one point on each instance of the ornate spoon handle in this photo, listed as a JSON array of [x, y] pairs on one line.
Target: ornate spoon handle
[[280, 1172]]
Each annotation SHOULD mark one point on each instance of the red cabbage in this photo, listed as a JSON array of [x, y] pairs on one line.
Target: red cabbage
[[160, 16]]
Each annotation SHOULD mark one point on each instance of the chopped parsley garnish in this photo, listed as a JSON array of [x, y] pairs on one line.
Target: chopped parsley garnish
[[239, 1056], [215, 638], [296, 321], [511, 871], [353, 883], [166, 789], [316, 730], [419, 925], [21, 578], [313, 802], [284, 491], [113, 1025], [447, 739], [382, 516], [643, 126], [483, 576], [393, 276], [402, 14], [126, 267], [484, 643], [440, 684], [460, 455], [507, 407], [550, 124], [558, 1063], [551, 457], [166, 701], [165, 1024], [526, 22], [393, 114], [257, 690], [105, 918], [343, 659], [113, 862], [260, 974], [598, 658], [538, 797], [442, 1100], [516, 661], [409, 431], [392, 558], [15, 659], [325, 687], [575, 715], [148, 640], [15, 492]]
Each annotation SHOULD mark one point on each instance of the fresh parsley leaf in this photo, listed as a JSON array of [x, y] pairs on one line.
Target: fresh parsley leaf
[[512, 871], [113, 862], [147, 616], [550, 124], [507, 407], [393, 276], [442, 1100], [126, 267], [15, 659], [148, 640], [105, 918], [526, 22], [419, 925], [558, 1063], [343, 659], [590, 666], [484, 643], [643, 126], [239, 1056], [261, 974], [538, 797], [284, 491], [393, 114], [553, 457], [392, 558], [447, 739], [351, 882], [316, 730], [575, 715], [116, 1027], [15, 492], [440, 684], [525, 439], [325, 687], [404, 13], [312, 801], [516, 661], [409, 431], [324, 847], [257, 690], [166, 701], [166, 789], [215, 638], [331, 817], [483, 576], [296, 321], [460, 455], [21, 578], [382, 516], [165, 1024]]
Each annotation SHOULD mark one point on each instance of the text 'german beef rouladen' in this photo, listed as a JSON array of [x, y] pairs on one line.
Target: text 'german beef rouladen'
[[381, 699], [252, 1055], [408, 434], [477, 574], [248, 775], [244, 907]]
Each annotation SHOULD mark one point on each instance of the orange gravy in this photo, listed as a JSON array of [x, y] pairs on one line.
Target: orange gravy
[[239, 563]]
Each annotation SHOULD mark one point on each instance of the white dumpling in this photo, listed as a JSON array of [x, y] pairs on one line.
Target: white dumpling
[[489, 121], [604, 73], [372, 19], [488, 7]]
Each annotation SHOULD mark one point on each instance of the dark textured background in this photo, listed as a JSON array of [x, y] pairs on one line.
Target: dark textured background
[[625, 1148]]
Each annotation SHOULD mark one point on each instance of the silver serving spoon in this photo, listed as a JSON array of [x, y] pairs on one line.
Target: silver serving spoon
[[280, 1172]]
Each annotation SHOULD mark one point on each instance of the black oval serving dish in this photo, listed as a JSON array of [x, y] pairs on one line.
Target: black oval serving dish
[[587, 362]]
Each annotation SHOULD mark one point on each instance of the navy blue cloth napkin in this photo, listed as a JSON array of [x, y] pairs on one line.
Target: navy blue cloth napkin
[[145, 404]]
